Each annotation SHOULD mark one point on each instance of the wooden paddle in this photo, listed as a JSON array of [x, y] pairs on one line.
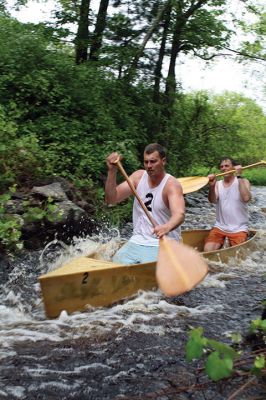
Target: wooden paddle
[[192, 183], [179, 267]]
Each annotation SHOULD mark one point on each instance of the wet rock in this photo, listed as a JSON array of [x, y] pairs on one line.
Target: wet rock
[[54, 191], [14, 206], [52, 208]]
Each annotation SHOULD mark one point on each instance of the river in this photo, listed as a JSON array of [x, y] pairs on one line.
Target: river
[[134, 349]]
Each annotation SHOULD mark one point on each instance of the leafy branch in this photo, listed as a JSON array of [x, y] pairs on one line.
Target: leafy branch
[[223, 361]]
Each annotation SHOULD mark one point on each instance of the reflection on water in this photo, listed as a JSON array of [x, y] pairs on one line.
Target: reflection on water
[[134, 347]]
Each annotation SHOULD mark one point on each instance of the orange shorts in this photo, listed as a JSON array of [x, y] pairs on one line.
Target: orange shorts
[[218, 236]]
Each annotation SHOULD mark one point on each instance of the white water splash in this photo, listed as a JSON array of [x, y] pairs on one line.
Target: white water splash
[[80, 247], [22, 315]]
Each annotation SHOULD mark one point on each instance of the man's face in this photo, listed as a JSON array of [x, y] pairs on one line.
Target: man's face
[[226, 165], [153, 163]]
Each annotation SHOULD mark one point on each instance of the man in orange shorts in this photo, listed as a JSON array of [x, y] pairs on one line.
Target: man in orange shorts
[[231, 195]]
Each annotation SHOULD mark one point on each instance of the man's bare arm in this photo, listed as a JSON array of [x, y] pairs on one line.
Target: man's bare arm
[[116, 193], [212, 195], [176, 205], [244, 185], [244, 189]]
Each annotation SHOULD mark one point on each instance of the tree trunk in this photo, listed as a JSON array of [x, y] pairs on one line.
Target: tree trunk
[[98, 32], [159, 64], [82, 38], [181, 20], [153, 27], [171, 78]]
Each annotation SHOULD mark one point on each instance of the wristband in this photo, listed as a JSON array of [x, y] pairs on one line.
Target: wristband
[[239, 177]]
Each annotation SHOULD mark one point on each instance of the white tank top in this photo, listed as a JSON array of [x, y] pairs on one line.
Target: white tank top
[[231, 210], [152, 198]]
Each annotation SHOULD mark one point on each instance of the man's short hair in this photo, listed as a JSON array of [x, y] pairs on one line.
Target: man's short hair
[[234, 162], [152, 147]]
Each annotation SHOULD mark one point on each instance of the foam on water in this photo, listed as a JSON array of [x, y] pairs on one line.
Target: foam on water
[[59, 385], [29, 323], [43, 371], [84, 246], [22, 318], [15, 391], [134, 314]]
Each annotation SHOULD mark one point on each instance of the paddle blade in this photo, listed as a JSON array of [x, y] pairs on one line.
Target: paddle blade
[[179, 268], [192, 183]]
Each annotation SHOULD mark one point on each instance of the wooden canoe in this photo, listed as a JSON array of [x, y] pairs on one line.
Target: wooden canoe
[[196, 238], [88, 281]]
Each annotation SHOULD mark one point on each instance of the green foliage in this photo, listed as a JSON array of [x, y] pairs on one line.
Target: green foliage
[[63, 112], [258, 324], [49, 212], [219, 357], [20, 157], [208, 127], [255, 45], [259, 365], [10, 232], [119, 214], [236, 337], [10, 226], [63, 119], [256, 176], [122, 38], [195, 344], [206, 31], [217, 367]]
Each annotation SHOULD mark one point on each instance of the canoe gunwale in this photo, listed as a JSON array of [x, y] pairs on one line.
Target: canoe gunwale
[[109, 265], [70, 289]]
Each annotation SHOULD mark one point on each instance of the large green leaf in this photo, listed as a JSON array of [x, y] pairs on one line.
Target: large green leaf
[[195, 344], [218, 368]]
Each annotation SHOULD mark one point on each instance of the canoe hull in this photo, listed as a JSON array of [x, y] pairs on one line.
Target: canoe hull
[[196, 238], [95, 284], [85, 282]]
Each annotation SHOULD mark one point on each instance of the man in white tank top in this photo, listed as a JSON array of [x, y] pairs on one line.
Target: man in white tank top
[[231, 196], [163, 196]]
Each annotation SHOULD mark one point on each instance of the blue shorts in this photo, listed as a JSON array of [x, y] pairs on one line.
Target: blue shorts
[[132, 253]]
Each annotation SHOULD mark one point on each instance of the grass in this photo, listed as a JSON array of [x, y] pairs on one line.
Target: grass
[[256, 176]]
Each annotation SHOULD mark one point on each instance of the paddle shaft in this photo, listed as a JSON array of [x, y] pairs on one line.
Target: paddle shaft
[[123, 172], [178, 267], [246, 167], [185, 279]]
